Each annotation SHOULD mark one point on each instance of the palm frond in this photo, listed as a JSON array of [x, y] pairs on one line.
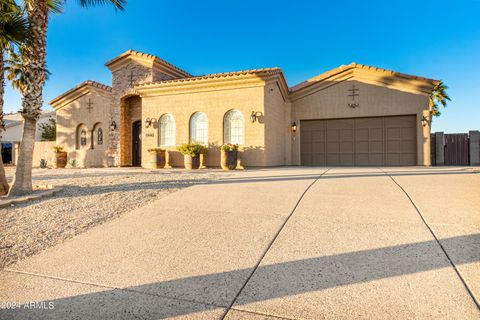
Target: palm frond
[[438, 96], [118, 4], [56, 6], [13, 28]]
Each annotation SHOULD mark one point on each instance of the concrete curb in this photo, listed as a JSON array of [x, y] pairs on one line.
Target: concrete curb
[[49, 192]]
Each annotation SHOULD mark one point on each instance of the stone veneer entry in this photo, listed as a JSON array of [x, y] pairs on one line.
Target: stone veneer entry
[[101, 125]]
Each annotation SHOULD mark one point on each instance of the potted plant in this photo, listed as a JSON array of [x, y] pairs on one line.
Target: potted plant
[[156, 158], [191, 154], [60, 157], [229, 156]]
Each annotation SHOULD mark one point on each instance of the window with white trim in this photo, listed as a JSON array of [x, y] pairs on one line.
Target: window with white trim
[[233, 127], [167, 130], [199, 128]]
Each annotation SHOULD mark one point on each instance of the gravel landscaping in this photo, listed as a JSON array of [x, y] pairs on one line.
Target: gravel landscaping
[[88, 198]]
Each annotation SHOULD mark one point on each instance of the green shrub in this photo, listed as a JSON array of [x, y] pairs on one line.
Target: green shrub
[[155, 149], [192, 149], [57, 149], [229, 147]]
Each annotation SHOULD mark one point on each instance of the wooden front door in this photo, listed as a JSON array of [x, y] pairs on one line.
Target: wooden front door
[[137, 143]]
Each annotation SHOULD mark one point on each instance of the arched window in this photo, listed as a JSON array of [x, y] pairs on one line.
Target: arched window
[[199, 128], [233, 127], [99, 136], [81, 136], [166, 131]]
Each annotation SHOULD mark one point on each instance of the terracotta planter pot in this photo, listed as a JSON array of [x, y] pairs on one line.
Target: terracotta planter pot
[[60, 159], [155, 159], [191, 162], [228, 160]]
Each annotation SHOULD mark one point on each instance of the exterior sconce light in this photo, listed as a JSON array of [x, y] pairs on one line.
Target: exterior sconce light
[[425, 121], [113, 125], [294, 127], [254, 116], [148, 122]]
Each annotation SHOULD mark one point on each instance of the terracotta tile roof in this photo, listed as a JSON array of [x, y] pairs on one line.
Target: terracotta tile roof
[[81, 85], [354, 65], [148, 56], [226, 75]]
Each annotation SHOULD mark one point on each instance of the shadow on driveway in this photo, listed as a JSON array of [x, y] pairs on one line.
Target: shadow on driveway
[[268, 282]]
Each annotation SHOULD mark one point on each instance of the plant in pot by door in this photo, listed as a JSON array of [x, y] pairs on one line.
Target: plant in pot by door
[[191, 154], [156, 158], [60, 157], [229, 156]]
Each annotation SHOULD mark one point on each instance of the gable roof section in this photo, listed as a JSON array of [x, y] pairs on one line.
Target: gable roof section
[[148, 60], [78, 91], [367, 74], [216, 79]]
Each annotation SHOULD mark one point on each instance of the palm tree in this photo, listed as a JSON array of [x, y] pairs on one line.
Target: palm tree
[[13, 26], [34, 72], [438, 96]]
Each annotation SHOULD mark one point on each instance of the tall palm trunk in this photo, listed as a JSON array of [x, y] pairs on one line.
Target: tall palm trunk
[[3, 179], [34, 71]]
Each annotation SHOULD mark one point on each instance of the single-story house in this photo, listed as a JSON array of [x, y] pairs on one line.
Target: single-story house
[[353, 115]]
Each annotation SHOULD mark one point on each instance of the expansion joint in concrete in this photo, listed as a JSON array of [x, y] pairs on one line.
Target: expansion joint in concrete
[[470, 292], [272, 242]]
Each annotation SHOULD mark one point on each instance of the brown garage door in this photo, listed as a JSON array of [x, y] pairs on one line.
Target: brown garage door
[[380, 141]]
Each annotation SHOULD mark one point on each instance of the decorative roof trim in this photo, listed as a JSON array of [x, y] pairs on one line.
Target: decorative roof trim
[[265, 72], [156, 61], [368, 74], [85, 86], [353, 65]]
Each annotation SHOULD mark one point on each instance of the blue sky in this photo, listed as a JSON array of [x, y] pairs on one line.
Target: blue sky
[[436, 39]]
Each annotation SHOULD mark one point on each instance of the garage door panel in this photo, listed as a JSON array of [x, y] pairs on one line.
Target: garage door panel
[[361, 141], [346, 147], [346, 135], [319, 159], [393, 133]]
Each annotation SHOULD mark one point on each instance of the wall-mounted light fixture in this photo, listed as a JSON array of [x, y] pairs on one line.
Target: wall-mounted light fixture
[[254, 116], [113, 125], [425, 121], [148, 122], [294, 127]]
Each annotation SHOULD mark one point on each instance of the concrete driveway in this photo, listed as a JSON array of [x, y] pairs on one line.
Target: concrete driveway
[[291, 243]]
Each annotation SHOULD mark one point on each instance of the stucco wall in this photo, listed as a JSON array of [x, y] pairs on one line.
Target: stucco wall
[[375, 100], [75, 114], [214, 104], [43, 150], [276, 127]]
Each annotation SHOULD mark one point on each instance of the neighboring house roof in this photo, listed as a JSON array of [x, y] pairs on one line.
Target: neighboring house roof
[[79, 89], [154, 60], [386, 76], [15, 119]]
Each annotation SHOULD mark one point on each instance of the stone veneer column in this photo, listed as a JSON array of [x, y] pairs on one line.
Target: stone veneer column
[[440, 148], [474, 148], [124, 80]]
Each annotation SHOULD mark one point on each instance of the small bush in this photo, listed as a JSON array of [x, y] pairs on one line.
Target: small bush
[[73, 163], [43, 163], [155, 149], [192, 149], [57, 148], [229, 147]]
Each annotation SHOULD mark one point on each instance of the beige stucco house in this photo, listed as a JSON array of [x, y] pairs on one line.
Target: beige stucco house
[[351, 115], [11, 137]]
